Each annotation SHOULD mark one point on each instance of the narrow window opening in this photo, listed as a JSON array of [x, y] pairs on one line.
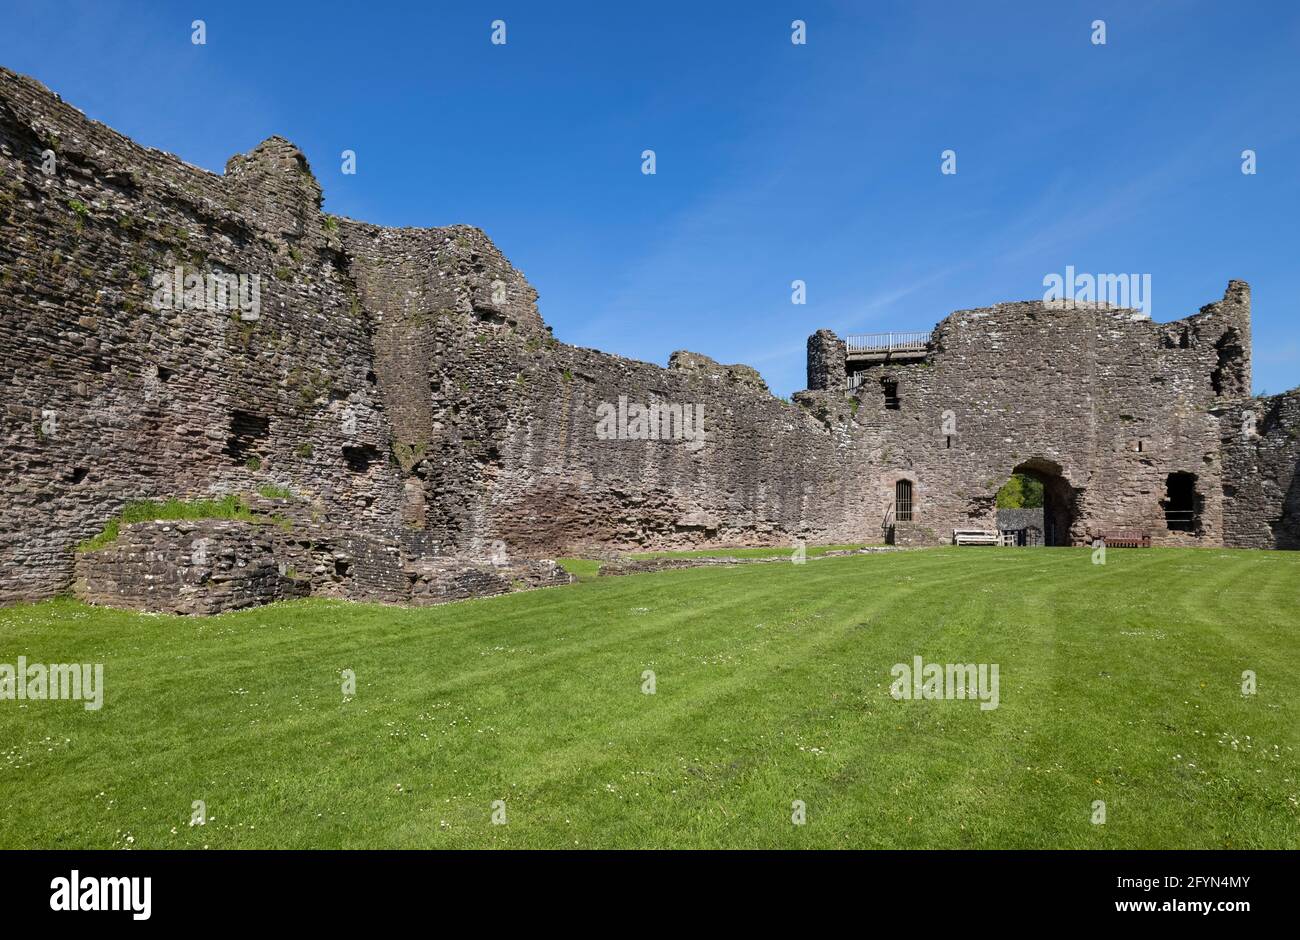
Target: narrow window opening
[[891, 394], [903, 500], [248, 431], [360, 458], [948, 442]]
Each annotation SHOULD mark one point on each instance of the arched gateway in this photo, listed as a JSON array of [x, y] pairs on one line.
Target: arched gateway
[[1060, 499]]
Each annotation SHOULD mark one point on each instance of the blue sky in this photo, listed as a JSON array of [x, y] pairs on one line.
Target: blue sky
[[775, 161]]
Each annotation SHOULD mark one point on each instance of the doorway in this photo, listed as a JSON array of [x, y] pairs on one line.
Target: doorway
[[1043, 484]]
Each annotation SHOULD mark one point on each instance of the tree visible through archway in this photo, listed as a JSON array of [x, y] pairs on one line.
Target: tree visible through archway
[[1021, 491], [1039, 483]]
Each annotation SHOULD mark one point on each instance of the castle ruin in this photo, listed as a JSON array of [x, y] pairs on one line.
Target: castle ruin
[[433, 439]]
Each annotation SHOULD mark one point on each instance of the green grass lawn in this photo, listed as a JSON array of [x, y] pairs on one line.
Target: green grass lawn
[[585, 568], [1119, 683]]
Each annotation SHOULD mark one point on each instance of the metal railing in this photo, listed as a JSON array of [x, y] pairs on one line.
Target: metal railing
[[855, 380], [916, 341]]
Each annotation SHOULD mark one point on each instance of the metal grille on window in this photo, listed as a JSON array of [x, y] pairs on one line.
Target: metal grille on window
[[903, 500]]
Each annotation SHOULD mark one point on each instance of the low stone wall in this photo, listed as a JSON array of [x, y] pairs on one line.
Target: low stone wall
[[437, 581], [359, 567], [915, 535], [538, 574], [214, 565], [650, 565], [866, 550], [186, 567]]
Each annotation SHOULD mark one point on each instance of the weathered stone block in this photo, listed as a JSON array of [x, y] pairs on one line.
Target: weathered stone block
[[186, 567]]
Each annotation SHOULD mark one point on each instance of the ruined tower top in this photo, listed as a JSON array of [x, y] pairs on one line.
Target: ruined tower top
[[1218, 337], [275, 180]]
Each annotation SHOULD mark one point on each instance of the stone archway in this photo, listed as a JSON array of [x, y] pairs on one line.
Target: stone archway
[[1060, 499]]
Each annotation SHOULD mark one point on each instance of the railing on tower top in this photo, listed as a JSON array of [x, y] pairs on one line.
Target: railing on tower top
[[917, 341]]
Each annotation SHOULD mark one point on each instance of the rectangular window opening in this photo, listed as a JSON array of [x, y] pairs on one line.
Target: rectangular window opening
[[903, 500], [891, 395]]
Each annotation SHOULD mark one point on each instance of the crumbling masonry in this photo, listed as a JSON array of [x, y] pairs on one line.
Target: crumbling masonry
[[435, 441]]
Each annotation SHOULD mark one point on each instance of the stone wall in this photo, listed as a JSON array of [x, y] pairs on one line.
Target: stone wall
[[108, 399], [826, 369], [437, 581], [211, 566], [501, 442], [402, 383], [1261, 455], [917, 534], [1102, 403], [1020, 519], [385, 383], [184, 567], [1028, 522]]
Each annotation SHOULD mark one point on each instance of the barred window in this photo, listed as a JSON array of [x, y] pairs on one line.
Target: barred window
[[903, 500]]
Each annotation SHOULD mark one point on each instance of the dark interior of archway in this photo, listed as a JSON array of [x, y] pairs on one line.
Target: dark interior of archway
[[1182, 503], [1058, 500]]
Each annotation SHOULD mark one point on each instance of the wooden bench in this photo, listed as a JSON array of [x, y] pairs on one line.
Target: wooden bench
[[1126, 538], [975, 537]]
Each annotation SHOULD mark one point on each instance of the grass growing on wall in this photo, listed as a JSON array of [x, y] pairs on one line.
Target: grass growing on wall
[[1119, 682], [227, 507]]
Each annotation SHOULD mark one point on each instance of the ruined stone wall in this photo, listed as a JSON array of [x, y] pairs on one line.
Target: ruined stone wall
[[1103, 402], [402, 385], [497, 421], [108, 399], [186, 567], [766, 471], [403, 380], [1261, 456], [826, 369]]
